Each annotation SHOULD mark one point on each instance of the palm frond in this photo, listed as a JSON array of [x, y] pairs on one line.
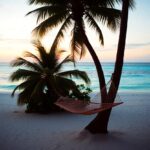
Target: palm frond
[[62, 83], [46, 11], [39, 1], [77, 74], [54, 55], [107, 3], [31, 55], [49, 23], [131, 3], [43, 55], [66, 60], [38, 88], [23, 62], [23, 74], [109, 16], [83, 51], [60, 33], [48, 2], [30, 82], [23, 97], [75, 46], [77, 41], [95, 26]]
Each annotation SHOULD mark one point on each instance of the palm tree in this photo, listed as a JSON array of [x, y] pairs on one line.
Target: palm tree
[[44, 77], [75, 13], [88, 10], [100, 123]]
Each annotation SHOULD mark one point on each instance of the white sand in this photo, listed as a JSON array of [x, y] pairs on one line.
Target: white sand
[[129, 128]]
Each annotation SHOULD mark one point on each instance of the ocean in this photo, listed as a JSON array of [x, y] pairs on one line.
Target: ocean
[[135, 76]]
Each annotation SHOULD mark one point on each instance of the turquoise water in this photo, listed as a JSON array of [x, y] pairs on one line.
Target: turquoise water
[[135, 77]]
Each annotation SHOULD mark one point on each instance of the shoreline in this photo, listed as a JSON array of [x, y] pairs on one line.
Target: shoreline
[[93, 92], [129, 127]]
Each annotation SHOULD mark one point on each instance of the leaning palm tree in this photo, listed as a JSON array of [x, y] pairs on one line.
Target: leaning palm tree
[[100, 123], [44, 76], [74, 13]]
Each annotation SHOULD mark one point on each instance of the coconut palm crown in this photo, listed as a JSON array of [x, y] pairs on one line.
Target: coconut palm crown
[[44, 75], [75, 13]]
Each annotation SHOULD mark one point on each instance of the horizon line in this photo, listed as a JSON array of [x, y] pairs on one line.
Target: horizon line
[[93, 62]]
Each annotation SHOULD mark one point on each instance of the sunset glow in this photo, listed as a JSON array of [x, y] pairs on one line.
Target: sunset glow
[[15, 33]]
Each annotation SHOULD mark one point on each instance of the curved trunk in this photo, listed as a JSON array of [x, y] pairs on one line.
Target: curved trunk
[[100, 123], [78, 9], [99, 69], [120, 51]]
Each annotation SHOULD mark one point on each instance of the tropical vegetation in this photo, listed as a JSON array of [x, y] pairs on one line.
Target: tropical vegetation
[[74, 13], [43, 80], [100, 123]]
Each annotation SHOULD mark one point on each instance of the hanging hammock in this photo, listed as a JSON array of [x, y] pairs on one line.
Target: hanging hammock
[[85, 107]]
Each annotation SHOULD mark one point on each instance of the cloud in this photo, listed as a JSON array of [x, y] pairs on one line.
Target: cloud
[[136, 45], [7, 44], [13, 40], [113, 47], [105, 48], [1, 36]]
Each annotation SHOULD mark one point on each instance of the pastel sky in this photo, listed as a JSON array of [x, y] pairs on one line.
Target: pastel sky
[[15, 33]]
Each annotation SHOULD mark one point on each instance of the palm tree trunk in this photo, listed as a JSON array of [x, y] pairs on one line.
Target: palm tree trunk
[[120, 51], [78, 14], [99, 69], [100, 123]]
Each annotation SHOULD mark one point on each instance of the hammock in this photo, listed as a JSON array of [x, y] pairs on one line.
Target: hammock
[[83, 107]]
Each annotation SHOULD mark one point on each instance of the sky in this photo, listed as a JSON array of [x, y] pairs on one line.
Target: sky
[[16, 28]]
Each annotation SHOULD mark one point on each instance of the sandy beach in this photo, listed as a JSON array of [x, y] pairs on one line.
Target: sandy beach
[[129, 127]]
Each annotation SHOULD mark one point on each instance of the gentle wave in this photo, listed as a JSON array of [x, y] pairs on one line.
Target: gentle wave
[[135, 76]]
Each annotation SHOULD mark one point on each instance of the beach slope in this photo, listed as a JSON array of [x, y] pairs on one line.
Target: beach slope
[[129, 128]]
